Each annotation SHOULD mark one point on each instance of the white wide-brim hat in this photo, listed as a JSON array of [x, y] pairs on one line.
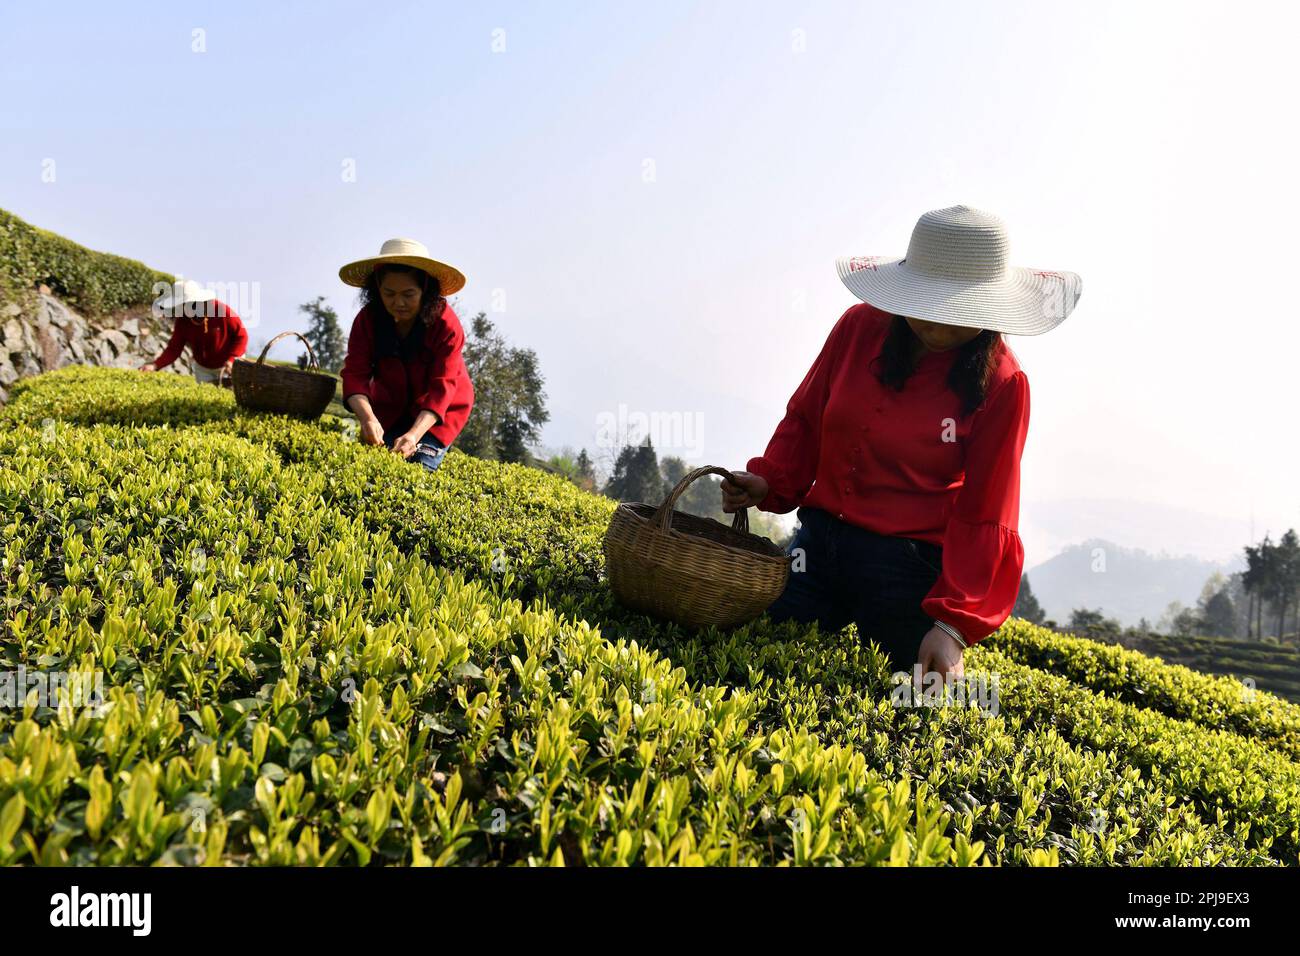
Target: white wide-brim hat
[[185, 290], [956, 272], [405, 252]]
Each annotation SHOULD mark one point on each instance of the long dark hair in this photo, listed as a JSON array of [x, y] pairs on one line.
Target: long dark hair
[[969, 376], [432, 302]]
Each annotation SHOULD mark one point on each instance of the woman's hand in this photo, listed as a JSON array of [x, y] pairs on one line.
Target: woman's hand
[[941, 654], [745, 492], [372, 433], [148, 367], [405, 444]]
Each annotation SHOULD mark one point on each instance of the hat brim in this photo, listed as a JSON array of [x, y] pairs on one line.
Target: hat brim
[[171, 302], [1024, 302], [450, 280]]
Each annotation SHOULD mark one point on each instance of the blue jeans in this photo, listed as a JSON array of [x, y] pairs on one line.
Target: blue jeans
[[851, 574], [429, 452]]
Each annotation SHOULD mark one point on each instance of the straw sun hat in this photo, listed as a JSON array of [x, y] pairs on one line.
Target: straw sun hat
[[956, 273], [405, 252]]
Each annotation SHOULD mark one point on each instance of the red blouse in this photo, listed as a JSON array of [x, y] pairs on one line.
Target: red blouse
[[216, 336], [433, 378], [908, 464]]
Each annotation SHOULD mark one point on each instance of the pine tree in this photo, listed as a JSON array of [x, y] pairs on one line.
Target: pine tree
[[1272, 578], [1219, 615], [1094, 624], [1287, 580], [636, 475], [324, 336], [585, 477], [1027, 606], [509, 396]]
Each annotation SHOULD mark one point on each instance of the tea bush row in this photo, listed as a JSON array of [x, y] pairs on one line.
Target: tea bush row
[[1209, 701], [1019, 787], [95, 282], [286, 685]]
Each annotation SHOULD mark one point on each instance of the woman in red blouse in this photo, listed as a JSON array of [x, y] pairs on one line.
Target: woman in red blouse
[[901, 447], [404, 376]]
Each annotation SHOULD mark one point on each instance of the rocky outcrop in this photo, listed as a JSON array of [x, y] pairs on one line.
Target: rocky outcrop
[[47, 335]]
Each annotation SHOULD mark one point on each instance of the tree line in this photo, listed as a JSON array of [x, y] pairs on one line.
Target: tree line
[[1262, 601], [1271, 580], [640, 475]]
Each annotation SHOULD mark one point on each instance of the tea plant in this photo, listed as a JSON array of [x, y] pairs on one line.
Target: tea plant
[[1211, 702], [314, 653], [96, 282]]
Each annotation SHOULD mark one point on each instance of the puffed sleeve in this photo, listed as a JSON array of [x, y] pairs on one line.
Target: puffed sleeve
[[790, 461], [983, 556], [238, 334], [175, 345], [357, 363], [446, 369]]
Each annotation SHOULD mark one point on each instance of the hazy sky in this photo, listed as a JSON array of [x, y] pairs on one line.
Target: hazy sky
[[651, 196]]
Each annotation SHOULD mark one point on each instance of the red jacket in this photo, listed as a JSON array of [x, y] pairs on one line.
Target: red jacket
[[401, 379], [214, 337], [907, 463]]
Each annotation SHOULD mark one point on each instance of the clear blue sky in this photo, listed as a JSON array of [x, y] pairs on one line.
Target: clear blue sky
[[1146, 146]]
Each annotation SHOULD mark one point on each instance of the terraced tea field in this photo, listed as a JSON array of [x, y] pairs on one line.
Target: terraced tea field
[[1267, 666], [315, 653]]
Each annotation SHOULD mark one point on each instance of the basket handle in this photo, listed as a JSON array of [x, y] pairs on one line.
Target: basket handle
[[664, 513], [310, 354]]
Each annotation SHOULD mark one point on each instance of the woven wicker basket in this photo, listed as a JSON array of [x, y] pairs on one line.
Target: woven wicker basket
[[696, 571], [276, 388]]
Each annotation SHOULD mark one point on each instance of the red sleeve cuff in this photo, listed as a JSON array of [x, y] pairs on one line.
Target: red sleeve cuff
[[436, 400], [777, 501], [977, 590]]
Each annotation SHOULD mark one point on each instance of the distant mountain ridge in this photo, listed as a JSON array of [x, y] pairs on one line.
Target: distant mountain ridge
[[1050, 525], [1125, 583]]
